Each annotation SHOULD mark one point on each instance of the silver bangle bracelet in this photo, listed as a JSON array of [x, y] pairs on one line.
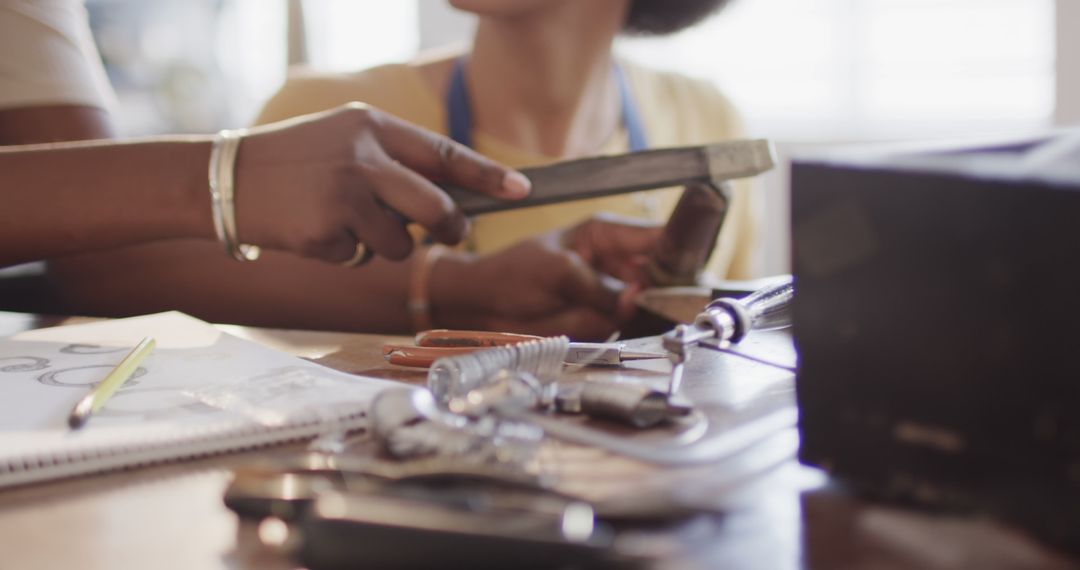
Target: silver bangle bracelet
[[222, 194]]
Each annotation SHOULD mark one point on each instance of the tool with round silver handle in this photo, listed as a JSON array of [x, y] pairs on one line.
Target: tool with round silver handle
[[727, 321]]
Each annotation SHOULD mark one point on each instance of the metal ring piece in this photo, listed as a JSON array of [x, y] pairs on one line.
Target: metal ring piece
[[363, 255]]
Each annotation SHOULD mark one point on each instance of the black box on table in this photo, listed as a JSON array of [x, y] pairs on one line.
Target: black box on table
[[937, 320]]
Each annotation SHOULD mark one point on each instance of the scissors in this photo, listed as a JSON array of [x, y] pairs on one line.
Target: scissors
[[435, 344]]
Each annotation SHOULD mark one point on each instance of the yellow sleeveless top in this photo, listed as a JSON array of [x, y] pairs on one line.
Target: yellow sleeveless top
[[675, 111]]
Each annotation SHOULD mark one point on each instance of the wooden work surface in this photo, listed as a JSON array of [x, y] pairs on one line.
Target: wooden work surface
[[772, 514]]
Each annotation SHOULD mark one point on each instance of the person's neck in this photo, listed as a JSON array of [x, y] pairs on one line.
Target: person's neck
[[543, 82]]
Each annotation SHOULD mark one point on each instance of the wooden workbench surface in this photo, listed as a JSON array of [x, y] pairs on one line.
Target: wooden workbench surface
[[776, 514]]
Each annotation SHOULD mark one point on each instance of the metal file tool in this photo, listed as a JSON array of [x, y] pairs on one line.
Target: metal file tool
[[620, 174]]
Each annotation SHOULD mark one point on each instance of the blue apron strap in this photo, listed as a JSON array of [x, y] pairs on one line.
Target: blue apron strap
[[458, 111], [631, 119]]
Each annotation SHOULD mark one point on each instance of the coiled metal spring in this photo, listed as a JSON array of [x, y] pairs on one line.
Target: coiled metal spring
[[456, 376]]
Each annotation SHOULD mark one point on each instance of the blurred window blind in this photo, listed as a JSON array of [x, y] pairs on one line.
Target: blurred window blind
[[350, 35], [873, 69]]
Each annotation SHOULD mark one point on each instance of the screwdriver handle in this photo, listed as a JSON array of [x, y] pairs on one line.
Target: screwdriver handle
[[770, 307], [764, 309]]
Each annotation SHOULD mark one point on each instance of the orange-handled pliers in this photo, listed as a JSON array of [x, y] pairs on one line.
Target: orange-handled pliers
[[435, 344]]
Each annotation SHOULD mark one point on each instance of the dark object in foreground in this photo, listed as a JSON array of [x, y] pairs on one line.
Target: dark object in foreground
[[936, 324], [415, 515], [348, 531]]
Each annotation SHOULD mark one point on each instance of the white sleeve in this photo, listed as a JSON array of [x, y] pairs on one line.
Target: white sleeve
[[48, 57]]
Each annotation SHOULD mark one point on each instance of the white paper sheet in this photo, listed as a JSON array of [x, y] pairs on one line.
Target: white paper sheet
[[196, 374]]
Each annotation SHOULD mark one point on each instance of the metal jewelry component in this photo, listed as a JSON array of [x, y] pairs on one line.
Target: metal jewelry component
[[363, 255], [627, 403], [409, 425], [631, 404], [507, 391]]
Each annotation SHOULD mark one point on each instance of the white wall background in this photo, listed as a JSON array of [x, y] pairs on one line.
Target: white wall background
[[813, 74], [873, 69], [1068, 63]]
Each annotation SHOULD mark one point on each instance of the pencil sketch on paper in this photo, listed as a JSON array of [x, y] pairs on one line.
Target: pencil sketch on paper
[[89, 349], [43, 375], [35, 363], [52, 377]]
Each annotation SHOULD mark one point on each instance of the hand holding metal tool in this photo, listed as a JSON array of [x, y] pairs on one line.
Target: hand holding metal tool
[[435, 344], [725, 321]]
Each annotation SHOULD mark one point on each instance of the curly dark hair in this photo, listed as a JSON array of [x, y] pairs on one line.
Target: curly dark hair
[[658, 17]]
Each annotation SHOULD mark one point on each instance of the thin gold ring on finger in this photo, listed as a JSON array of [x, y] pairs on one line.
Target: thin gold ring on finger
[[362, 255], [445, 148]]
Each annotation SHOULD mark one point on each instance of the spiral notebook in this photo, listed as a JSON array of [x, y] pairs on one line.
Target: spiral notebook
[[201, 392]]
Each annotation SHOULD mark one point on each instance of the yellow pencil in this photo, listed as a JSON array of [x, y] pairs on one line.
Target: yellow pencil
[[97, 397]]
